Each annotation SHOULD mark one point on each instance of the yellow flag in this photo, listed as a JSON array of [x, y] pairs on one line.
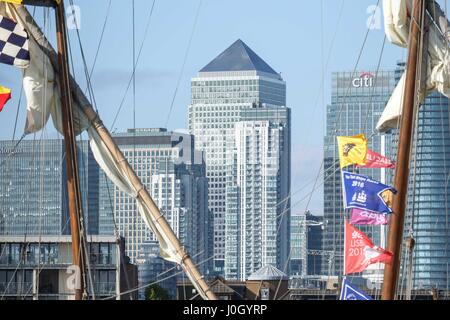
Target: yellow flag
[[33, 2], [352, 150], [14, 1]]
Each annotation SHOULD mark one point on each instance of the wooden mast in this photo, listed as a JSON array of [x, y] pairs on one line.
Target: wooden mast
[[391, 271], [78, 95], [73, 181]]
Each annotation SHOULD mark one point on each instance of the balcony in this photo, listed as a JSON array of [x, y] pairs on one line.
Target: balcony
[[25, 288], [105, 288]]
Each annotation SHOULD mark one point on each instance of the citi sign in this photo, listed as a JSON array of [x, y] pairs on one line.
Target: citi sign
[[365, 80]]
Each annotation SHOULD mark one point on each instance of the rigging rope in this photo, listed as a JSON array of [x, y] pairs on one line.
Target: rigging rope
[[91, 72], [83, 248], [135, 66], [157, 281], [184, 62], [335, 127]]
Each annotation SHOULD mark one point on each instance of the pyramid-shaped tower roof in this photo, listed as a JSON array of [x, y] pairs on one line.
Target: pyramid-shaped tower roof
[[238, 57]]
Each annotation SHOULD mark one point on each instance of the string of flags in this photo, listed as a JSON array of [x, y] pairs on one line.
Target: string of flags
[[370, 202]]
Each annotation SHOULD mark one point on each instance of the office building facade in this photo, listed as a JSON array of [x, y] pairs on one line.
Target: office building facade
[[33, 188], [298, 256], [152, 268], [234, 98], [306, 245], [174, 174], [314, 236], [39, 268], [428, 203]]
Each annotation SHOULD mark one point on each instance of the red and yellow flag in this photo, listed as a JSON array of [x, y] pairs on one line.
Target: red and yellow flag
[[5, 95]]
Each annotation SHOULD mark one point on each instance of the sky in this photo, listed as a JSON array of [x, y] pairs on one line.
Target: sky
[[304, 40]]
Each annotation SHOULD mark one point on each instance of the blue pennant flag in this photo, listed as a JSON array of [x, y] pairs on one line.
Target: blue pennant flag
[[350, 292], [361, 192]]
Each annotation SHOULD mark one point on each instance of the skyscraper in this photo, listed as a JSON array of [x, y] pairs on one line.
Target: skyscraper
[[174, 173], [426, 218], [356, 105], [33, 188], [239, 117]]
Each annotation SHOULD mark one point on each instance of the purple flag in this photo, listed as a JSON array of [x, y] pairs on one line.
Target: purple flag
[[359, 216]]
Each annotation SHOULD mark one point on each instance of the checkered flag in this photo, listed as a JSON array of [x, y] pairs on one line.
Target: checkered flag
[[13, 44]]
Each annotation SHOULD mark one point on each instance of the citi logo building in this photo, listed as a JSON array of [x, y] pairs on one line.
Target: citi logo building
[[364, 80]]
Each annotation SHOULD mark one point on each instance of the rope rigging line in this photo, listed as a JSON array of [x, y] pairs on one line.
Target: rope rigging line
[[160, 280], [87, 73], [184, 62], [135, 66], [446, 36], [341, 110], [322, 82], [136, 202], [364, 128], [83, 248], [410, 217], [42, 157], [91, 72]]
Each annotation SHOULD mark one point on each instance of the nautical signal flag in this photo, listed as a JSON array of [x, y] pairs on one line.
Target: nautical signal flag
[[360, 252], [350, 292], [5, 95], [352, 150], [376, 160], [13, 43], [359, 191]]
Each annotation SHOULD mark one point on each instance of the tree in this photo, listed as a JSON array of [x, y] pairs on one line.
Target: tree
[[156, 292]]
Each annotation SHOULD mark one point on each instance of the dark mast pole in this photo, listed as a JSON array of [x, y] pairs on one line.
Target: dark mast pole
[[73, 182], [391, 271]]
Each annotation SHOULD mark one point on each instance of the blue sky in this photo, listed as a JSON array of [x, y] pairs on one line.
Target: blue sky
[[293, 36]]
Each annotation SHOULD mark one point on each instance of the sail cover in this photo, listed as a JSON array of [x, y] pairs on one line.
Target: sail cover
[[43, 100], [397, 22]]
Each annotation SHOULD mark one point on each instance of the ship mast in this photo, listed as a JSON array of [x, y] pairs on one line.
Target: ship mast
[[73, 181], [412, 84], [69, 90]]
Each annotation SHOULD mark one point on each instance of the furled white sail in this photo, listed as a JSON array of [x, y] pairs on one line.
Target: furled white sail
[[121, 178], [43, 100], [397, 22]]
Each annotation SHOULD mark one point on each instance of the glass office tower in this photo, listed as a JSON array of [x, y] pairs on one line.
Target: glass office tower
[[356, 104], [427, 218], [174, 174], [223, 94], [33, 188]]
